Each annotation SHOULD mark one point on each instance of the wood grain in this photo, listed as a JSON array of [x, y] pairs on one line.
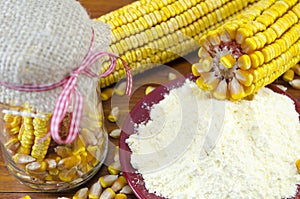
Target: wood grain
[[10, 188]]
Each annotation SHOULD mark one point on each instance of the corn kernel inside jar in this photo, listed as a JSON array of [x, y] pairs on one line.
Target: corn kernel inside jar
[[38, 161]]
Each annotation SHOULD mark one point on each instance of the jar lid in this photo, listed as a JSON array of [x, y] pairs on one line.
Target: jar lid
[[42, 42]]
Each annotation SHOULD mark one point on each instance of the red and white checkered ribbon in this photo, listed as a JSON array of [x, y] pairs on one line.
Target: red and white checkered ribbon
[[69, 84]]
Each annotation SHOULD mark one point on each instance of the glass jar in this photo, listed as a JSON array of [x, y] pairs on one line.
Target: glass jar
[[38, 161]]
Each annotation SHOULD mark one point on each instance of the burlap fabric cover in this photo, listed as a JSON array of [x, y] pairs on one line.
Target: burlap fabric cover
[[41, 42]]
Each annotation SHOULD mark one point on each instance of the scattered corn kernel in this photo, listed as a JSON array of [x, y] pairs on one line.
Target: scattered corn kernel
[[107, 180], [106, 94], [25, 197], [126, 190], [108, 194], [115, 133], [171, 76], [95, 190], [114, 114], [119, 184], [149, 89], [81, 193], [120, 196], [296, 69], [116, 154], [295, 83], [288, 75], [120, 88], [114, 168]]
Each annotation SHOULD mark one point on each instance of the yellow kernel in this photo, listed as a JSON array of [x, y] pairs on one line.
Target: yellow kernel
[[114, 168], [221, 90], [120, 196], [149, 89], [126, 190], [296, 69], [25, 197], [107, 180], [108, 194], [81, 193], [228, 60], [115, 133], [114, 114], [295, 83], [236, 89], [69, 162], [244, 62], [298, 165], [95, 190], [288, 75], [244, 77], [22, 158], [106, 94], [254, 60], [67, 175], [119, 184]]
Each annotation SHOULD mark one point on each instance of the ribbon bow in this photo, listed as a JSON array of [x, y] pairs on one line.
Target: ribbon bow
[[69, 84]]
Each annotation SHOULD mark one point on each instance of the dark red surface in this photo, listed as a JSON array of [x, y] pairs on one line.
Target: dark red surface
[[141, 114]]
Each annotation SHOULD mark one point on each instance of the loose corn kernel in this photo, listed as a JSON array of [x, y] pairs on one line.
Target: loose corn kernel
[[81, 193], [119, 184], [288, 75], [114, 168], [115, 133], [126, 190], [120, 196], [106, 94], [295, 83], [114, 114], [171, 76], [107, 180], [120, 88], [108, 193], [296, 69], [116, 154], [149, 89], [25, 197], [95, 190]]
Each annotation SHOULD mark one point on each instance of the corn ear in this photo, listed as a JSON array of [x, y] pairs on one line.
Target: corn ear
[[264, 43], [152, 32]]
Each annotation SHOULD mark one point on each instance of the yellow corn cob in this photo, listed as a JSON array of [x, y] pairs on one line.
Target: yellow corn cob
[[27, 136], [151, 32], [251, 50], [41, 128]]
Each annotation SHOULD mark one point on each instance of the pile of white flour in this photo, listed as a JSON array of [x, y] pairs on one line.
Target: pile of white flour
[[257, 144]]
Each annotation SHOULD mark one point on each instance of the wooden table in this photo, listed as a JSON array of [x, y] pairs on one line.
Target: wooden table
[[10, 188]]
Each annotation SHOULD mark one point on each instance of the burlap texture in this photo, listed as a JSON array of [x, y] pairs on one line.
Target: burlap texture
[[41, 42]]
